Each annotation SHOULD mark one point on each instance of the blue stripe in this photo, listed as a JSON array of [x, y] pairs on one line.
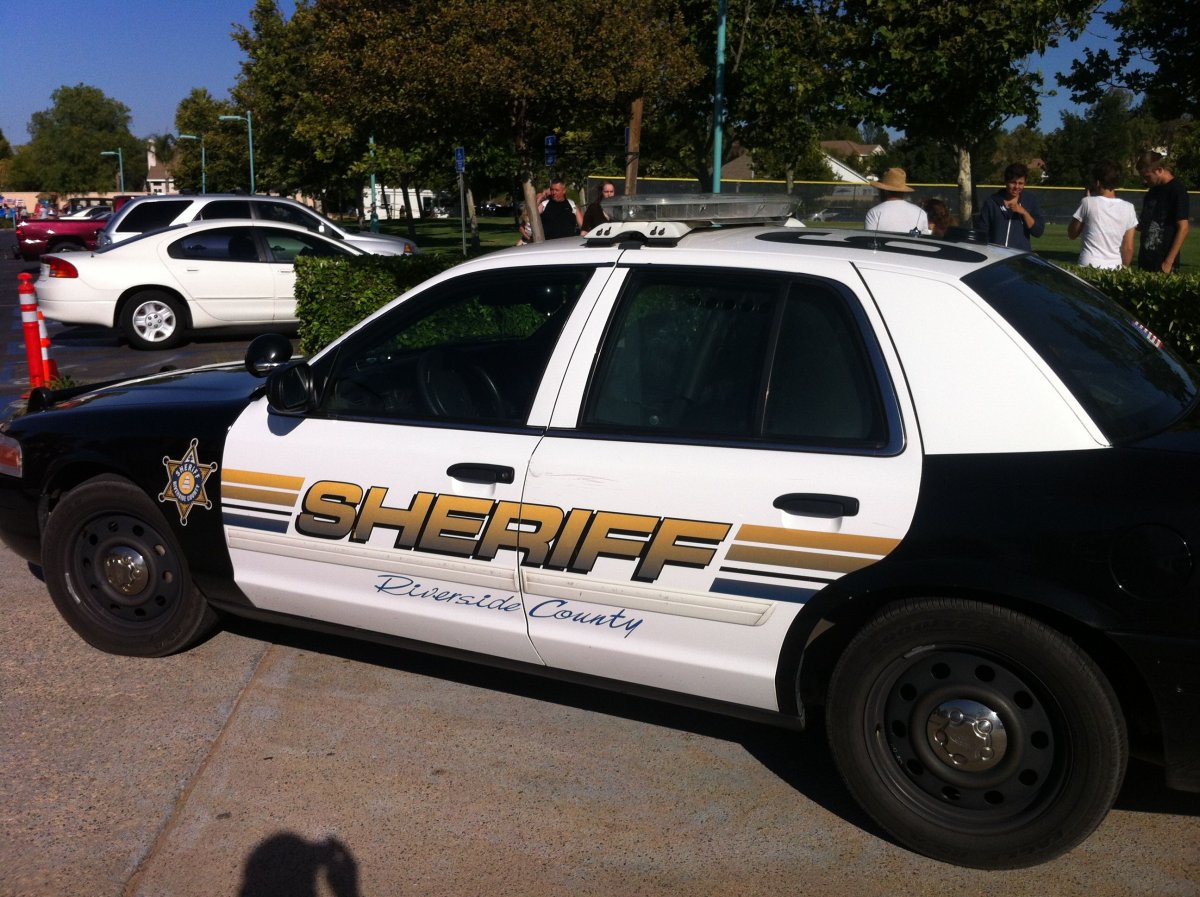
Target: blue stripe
[[761, 590], [270, 526]]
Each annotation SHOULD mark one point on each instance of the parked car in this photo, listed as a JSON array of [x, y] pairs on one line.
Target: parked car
[[147, 213], [161, 286], [945, 491], [36, 236], [88, 213], [827, 215]]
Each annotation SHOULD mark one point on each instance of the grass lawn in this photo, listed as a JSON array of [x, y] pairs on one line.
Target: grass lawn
[[444, 235]]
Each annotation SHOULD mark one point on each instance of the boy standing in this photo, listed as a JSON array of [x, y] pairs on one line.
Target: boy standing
[[1011, 216], [1106, 223], [1164, 216]]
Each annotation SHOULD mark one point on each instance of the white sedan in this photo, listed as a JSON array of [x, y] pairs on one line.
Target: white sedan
[[159, 287]]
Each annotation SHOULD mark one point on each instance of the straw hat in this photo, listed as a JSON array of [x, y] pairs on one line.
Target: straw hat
[[893, 181]]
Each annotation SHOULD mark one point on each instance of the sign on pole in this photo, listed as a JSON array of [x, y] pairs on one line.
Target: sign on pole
[[460, 159], [551, 149]]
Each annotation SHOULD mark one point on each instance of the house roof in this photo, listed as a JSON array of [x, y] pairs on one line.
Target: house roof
[[846, 148]]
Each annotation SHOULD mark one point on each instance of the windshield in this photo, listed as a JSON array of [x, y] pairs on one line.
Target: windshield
[[1130, 383]]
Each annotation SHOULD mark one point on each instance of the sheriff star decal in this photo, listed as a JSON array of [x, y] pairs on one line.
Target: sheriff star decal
[[185, 482]]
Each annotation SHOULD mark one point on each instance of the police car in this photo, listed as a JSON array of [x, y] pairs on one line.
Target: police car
[[945, 492]]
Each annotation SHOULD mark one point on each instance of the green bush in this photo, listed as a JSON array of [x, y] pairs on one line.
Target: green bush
[[334, 294], [1168, 304]]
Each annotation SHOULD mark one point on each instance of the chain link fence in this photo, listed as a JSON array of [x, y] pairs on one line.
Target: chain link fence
[[842, 202]]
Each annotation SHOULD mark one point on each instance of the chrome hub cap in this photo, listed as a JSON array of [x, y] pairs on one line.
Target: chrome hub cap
[[125, 570], [966, 735]]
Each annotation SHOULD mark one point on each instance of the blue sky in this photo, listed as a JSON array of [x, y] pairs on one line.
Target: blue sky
[[149, 54]]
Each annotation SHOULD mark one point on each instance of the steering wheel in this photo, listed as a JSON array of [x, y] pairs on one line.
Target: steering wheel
[[451, 389]]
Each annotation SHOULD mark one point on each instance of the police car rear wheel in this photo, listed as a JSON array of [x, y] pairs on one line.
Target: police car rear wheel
[[153, 319], [116, 572], [974, 734]]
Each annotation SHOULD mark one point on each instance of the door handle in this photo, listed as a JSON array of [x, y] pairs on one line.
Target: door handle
[[481, 473], [813, 504]]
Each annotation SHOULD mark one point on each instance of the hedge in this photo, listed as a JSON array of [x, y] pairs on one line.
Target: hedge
[[1168, 304], [333, 294]]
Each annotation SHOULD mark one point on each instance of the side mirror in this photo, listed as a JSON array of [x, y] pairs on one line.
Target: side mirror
[[267, 352], [290, 389]]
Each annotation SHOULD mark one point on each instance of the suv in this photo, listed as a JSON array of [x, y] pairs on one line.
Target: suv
[[944, 492], [147, 213]]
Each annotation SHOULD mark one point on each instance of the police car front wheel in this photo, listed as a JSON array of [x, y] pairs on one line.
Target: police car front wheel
[[974, 734], [116, 572]]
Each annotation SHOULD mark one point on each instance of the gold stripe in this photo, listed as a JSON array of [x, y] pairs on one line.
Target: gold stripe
[[254, 478], [286, 499], [778, 535], [807, 560]]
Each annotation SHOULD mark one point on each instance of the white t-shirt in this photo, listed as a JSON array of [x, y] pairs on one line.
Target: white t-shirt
[[1105, 220], [897, 216]]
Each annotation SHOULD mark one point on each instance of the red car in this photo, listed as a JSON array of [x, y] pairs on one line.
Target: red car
[[38, 235]]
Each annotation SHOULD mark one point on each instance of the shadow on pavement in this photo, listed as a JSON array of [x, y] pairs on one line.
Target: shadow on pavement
[[288, 865]]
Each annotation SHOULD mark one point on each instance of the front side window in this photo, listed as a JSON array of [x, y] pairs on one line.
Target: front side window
[[224, 208], [286, 245], [469, 350], [287, 213], [737, 356]]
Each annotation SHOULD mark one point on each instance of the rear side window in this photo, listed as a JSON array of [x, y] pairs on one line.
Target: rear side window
[[224, 244], [224, 208], [1128, 381], [738, 356], [147, 216]]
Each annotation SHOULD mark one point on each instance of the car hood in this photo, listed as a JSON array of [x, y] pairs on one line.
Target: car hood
[[379, 244], [212, 385]]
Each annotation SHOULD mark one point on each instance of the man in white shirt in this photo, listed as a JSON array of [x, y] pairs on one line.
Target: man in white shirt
[[896, 214], [1106, 223]]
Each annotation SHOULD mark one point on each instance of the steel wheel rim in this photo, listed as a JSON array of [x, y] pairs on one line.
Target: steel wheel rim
[[122, 571], [912, 701]]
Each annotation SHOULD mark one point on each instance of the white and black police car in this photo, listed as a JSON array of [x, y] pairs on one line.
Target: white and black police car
[[944, 491]]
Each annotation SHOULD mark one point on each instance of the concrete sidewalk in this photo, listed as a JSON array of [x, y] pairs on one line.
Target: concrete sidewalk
[[268, 762]]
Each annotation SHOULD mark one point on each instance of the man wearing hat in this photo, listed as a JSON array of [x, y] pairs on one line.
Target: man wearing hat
[[895, 214]]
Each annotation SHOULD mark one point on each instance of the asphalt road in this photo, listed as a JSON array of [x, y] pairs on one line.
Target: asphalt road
[[91, 354], [272, 762]]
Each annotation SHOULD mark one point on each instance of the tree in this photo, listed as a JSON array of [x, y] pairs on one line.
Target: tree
[[951, 72], [1021, 144], [225, 152], [63, 154], [1157, 54], [1108, 131]]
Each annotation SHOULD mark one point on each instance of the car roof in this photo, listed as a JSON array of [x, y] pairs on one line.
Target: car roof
[[770, 247], [175, 230]]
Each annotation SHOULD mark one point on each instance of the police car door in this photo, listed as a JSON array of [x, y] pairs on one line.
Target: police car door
[[391, 507], [736, 446]]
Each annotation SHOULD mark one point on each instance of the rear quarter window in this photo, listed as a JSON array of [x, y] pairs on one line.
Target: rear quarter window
[[1126, 378], [149, 216]]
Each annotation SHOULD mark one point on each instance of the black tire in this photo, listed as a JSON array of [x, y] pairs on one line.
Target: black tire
[[153, 319], [67, 246], [974, 734], [117, 574]]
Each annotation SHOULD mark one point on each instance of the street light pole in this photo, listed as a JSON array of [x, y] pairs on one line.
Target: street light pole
[[248, 119], [120, 163], [203, 161]]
